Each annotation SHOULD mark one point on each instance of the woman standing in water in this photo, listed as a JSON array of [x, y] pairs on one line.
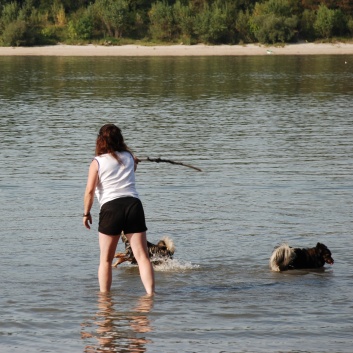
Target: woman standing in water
[[111, 177]]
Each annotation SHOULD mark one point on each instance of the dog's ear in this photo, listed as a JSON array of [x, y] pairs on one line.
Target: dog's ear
[[161, 244], [318, 245]]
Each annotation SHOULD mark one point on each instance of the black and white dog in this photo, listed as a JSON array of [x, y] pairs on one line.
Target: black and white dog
[[158, 253], [285, 257]]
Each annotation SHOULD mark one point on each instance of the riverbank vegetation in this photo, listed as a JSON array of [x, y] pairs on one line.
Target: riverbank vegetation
[[116, 22]]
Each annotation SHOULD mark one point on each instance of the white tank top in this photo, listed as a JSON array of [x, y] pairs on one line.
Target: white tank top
[[115, 179]]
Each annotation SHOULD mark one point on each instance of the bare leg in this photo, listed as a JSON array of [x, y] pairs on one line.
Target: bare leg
[[107, 244], [138, 242]]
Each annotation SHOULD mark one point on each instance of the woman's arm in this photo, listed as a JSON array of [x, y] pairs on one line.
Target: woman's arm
[[89, 193], [136, 161]]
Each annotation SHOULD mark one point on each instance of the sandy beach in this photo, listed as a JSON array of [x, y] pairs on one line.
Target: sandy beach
[[181, 50]]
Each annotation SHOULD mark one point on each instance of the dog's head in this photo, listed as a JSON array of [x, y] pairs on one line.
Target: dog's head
[[168, 244], [325, 253], [161, 244]]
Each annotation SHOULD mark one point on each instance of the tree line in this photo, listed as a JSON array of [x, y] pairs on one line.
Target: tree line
[[43, 22]]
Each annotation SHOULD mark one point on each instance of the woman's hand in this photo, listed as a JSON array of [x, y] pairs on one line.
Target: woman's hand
[[87, 221], [92, 181]]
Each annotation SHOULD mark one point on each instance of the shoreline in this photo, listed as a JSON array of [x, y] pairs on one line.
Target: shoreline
[[181, 50]]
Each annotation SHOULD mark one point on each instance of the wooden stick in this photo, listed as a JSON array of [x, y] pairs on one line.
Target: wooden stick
[[160, 160]]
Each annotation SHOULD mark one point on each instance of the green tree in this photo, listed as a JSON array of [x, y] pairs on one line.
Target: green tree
[[82, 24], [306, 26], [273, 21], [9, 13], [243, 27], [57, 11], [184, 20], [350, 25], [21, 25], [28, 22], [114, 14], [325, 22], [161, 21], [14, 34], [211, 24]]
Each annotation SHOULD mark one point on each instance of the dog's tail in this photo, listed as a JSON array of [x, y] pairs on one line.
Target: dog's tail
[[281, 258], [169, 244], [123, 238]]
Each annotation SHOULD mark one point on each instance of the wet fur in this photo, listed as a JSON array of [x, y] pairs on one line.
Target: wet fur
[[158, 253], [286, 258]]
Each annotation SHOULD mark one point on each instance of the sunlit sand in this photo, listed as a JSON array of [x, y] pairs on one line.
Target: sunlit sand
[[181, 50]]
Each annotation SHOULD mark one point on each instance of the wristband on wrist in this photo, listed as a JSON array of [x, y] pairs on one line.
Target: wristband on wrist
[[86, 215]]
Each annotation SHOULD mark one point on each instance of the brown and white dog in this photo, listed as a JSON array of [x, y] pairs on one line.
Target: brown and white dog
[[158, 253], [285, 257]]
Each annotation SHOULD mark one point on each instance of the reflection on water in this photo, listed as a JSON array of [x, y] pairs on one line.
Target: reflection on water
[[94, 79], [117, 330]]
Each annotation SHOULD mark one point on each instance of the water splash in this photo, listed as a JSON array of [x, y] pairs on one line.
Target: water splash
[[174, 265]]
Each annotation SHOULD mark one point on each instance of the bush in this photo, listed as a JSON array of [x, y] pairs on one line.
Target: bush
[[139, 26], [306, 27], [184, 21], [243, 27], [273, 29], [15, 34], [114, 14], [81, 26], [350, 25], [161, 21], [58, 13], [340, 25], [273, 22], [52, 34], [325, 22], [22, 26], [211, 24], [9, 14]]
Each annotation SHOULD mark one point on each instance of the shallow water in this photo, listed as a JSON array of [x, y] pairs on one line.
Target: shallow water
[[274, 138]]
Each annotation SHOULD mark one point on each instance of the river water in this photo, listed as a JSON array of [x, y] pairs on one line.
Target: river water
[[274, 139]]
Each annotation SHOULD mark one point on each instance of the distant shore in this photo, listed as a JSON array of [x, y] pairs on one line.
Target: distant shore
[[181, 50]]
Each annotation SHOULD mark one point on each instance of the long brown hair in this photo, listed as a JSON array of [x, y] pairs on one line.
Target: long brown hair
[[110, 140]]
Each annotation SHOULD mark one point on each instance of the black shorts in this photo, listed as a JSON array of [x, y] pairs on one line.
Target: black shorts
[[122, 214]]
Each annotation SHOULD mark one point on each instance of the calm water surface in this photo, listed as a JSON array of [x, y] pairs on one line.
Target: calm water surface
[[274, 138]]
